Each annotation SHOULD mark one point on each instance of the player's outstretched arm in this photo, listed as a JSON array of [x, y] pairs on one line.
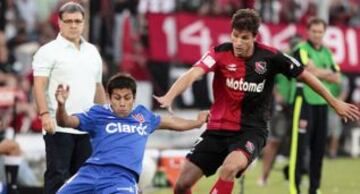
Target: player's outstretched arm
[[179, 86], [344, 110], [181, 124], [62, 118]]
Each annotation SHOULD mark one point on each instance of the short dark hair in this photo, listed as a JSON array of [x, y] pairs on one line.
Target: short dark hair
[[314, 21], [121, 81], [71, 7], [246, 19]]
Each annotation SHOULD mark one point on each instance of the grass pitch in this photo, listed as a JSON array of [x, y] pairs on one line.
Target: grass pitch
[[340, 176]]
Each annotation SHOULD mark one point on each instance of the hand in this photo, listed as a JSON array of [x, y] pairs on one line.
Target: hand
[[203, 116], [48, 123], [62, 93], [346, 111], [164, 102]]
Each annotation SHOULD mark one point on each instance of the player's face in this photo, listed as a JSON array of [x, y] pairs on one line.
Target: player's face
[[243, 43], [316, 33], [71, 26], [122, 101]]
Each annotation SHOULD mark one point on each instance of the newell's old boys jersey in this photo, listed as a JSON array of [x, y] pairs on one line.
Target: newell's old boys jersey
[[116, 140], [242, 88]]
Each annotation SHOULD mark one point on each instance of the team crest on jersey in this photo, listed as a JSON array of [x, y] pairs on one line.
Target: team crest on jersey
[[250, 147], [260, 67], [231, 67], [139, 117]]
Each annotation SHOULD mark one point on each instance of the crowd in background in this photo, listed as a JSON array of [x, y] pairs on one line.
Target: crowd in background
[[119, 29]]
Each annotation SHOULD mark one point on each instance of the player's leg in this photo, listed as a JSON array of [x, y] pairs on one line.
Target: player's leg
[[209, 147], [116, 180], [82, 182], [244, 147], [268, 157], [278, 126], [189, 175]]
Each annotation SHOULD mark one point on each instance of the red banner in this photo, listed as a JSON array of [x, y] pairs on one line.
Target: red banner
[[186, 37]]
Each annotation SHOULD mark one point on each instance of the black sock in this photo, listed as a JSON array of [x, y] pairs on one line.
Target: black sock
[[11, 172]]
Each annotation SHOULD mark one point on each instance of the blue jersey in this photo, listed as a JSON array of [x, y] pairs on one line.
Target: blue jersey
[[115, 140]]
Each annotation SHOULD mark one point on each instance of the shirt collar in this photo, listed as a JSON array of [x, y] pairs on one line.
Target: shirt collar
[[66, 42]]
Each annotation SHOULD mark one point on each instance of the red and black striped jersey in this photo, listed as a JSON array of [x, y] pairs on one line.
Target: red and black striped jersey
[[242, 88]]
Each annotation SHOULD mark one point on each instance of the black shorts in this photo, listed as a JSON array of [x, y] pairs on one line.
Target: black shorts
[[212, 147]]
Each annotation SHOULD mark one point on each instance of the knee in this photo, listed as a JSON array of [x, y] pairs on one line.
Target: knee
[[230, 170]]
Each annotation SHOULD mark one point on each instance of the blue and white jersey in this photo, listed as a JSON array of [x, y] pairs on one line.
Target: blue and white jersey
[[116, 140]]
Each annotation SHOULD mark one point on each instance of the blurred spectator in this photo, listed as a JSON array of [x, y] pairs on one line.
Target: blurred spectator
[[44, 9], [2, 14], [156, 6], [335, 126], [121, 9], [339, 13], [27, 11], [354, 13], [101, 25], [269, 10]]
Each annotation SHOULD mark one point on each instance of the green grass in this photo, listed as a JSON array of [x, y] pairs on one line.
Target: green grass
[[340, 176]]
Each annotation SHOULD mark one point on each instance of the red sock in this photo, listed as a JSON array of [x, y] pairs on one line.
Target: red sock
[[222, 187]]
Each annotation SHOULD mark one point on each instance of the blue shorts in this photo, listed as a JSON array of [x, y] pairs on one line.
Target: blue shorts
[[98, 179]]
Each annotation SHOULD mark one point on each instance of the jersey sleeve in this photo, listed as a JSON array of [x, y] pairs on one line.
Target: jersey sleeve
[[154, 121], [207, 61], [87, 121], [288, 65], [43, 62], [301, 55]]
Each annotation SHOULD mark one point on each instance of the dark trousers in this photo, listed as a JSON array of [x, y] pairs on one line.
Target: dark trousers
[[312, 132], [65, 153]]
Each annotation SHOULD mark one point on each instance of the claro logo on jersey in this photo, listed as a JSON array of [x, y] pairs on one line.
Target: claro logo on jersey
[[125, 128], [245, 86]]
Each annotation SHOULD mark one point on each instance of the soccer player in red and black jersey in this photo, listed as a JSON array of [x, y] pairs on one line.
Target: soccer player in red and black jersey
[[242, 88]]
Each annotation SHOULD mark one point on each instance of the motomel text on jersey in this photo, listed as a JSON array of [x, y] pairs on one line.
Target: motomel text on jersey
[[245, 86], [125, 128]]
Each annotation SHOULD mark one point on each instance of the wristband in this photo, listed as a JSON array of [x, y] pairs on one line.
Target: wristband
[[44, 113]]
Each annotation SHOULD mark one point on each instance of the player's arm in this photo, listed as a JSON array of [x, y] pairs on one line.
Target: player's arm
[[62, 118], [100, 96], [183, 82], [344, 110], [181, 124]]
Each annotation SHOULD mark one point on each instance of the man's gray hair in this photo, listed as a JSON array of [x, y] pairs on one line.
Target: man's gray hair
[[71, 7]]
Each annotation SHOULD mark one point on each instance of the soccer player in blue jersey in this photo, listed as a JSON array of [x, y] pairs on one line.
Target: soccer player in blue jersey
[[119, 134]]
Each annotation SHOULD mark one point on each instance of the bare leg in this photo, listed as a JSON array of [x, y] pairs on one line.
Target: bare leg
[[189, 175], [234, 163], [269, 155]]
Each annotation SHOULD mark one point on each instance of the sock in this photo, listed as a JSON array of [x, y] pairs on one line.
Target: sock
[[11, 172], [222, 187]]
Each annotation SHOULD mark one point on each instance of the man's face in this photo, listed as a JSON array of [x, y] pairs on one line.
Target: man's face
[[243, 42], [316, 33], [71, 25], [122, 101]]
